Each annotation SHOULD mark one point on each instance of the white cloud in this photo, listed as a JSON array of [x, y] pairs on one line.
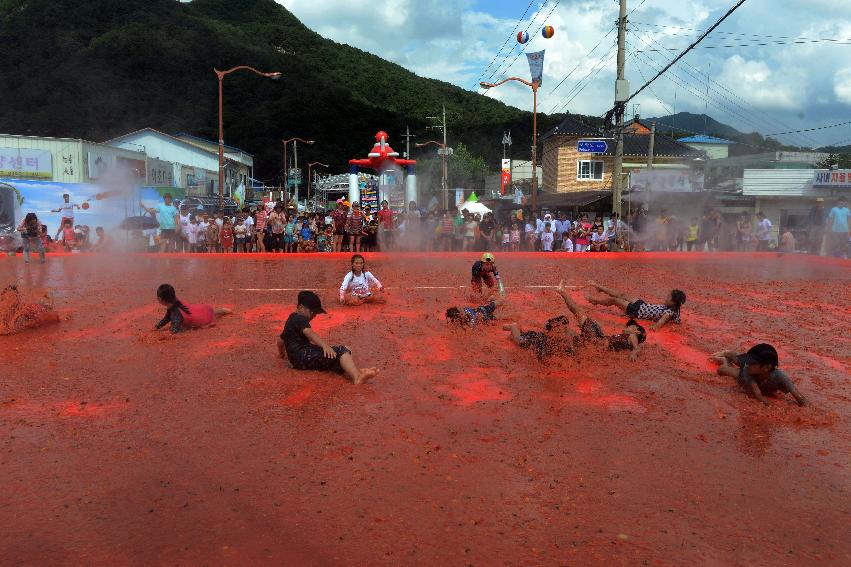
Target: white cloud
[[842, 85]]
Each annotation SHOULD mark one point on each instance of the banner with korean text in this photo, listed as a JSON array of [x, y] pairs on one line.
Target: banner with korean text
[[24, 163]]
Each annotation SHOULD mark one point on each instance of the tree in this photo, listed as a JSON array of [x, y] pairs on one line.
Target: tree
[[465, 169], [835, 161]]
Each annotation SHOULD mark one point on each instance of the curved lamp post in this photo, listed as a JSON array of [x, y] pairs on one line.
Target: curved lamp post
[[534, 86], [221, 76]]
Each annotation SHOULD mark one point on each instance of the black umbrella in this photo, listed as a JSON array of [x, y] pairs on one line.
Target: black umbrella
[[142, 222]]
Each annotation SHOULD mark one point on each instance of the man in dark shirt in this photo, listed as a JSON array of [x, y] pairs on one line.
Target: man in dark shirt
[[307, 351], [815, 233]]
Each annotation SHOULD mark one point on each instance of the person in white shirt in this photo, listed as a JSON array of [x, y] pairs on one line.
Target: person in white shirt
[[360, 286], [566, 242], [67, 210], [547, 238], [600, 240], [191, 231], [763, 232]]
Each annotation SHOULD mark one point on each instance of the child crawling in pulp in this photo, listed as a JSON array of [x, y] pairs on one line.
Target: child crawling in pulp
[[473, 316], [757, 373], [306, 350], [558, 339], [185, 316]]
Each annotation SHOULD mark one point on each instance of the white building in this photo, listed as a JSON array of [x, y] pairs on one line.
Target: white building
[[66, 160], [786, 196], [715, 148], [194, 161]]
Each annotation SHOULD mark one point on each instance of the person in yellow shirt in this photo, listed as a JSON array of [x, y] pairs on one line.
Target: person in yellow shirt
[[693, 230]]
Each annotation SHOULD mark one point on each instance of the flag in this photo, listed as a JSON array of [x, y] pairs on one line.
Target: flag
[[239, 195], [536, 66]]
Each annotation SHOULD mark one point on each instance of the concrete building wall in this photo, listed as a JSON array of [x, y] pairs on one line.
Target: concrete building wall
[[713, 151], [781, 183], [66, 155]]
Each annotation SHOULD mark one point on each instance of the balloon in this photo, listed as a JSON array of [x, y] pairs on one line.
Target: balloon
[[85, 205], [548, 32], [522, 37]]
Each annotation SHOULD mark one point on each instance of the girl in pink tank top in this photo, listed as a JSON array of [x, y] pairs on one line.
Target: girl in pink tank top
[[184, 316]]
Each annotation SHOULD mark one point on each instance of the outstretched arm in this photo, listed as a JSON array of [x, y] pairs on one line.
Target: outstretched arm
[[636, 347], [755, 391], [661, 322], [802, 401], [317, 340]]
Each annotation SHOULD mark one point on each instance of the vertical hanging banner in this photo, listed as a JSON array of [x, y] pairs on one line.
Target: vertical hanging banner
[[506, 176], [536, 66]]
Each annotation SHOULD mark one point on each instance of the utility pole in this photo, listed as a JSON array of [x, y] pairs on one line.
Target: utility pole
[[445, 181], [408, 137], [443, 155], [621, 95], [285, 196], [297, 179], [651, 143]]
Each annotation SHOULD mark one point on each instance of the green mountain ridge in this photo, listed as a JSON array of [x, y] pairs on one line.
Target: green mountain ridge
[[101, 68]]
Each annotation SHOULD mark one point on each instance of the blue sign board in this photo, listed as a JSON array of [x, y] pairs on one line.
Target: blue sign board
[[592, 146]]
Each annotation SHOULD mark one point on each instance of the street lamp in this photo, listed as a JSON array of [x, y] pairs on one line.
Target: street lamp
[[295, 142], [442, 153], [310, 165], [221, 76], [534, 86]]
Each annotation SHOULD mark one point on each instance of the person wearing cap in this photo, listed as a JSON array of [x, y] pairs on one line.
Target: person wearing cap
[[757, 373], [484, 271], [840, 228], [815, 233], [306, 350]]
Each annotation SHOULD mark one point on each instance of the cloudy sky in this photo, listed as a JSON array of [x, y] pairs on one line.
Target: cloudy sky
[[765, 88]]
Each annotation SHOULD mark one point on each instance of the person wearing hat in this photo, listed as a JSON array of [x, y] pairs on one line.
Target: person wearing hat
[[306, 350], [757, 373], [485, 272]]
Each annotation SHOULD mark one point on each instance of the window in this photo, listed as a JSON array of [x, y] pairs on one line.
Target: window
[[590, 170]]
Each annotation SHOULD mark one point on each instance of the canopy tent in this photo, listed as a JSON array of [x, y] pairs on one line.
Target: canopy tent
[[474, 207]]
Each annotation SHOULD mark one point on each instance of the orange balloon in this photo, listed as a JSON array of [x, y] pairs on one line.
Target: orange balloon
[[85, 205]]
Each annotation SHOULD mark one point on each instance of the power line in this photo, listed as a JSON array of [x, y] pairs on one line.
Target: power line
[[513, 32], [584, 82], [689, 48], [742, 34], [764, 43], [812, 129], [772, 123], [526, 45]]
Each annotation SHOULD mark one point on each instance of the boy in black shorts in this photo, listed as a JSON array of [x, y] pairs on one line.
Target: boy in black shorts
[[557, 336], [636, 308], [470, 316], [307, 351], [757, 373]]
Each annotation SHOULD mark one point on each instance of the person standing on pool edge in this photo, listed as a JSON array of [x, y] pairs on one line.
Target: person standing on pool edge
[[169, 218], [306, 350], [757, 373], [484, 271]]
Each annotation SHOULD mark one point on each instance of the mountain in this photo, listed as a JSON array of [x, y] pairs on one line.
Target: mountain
[[688, 124], [100, 68]]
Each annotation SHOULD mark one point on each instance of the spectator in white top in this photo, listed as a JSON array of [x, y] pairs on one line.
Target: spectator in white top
[[763, 232], [360, 286], [600, 240], [547, 237]]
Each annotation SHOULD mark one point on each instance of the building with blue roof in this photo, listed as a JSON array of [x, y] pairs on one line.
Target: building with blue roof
[[715, 148]]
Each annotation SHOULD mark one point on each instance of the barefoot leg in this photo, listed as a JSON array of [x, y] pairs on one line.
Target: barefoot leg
[[219, 311], [355, 375]]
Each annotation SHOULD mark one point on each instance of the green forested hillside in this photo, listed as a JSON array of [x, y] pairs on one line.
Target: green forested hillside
[[99, 68]]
